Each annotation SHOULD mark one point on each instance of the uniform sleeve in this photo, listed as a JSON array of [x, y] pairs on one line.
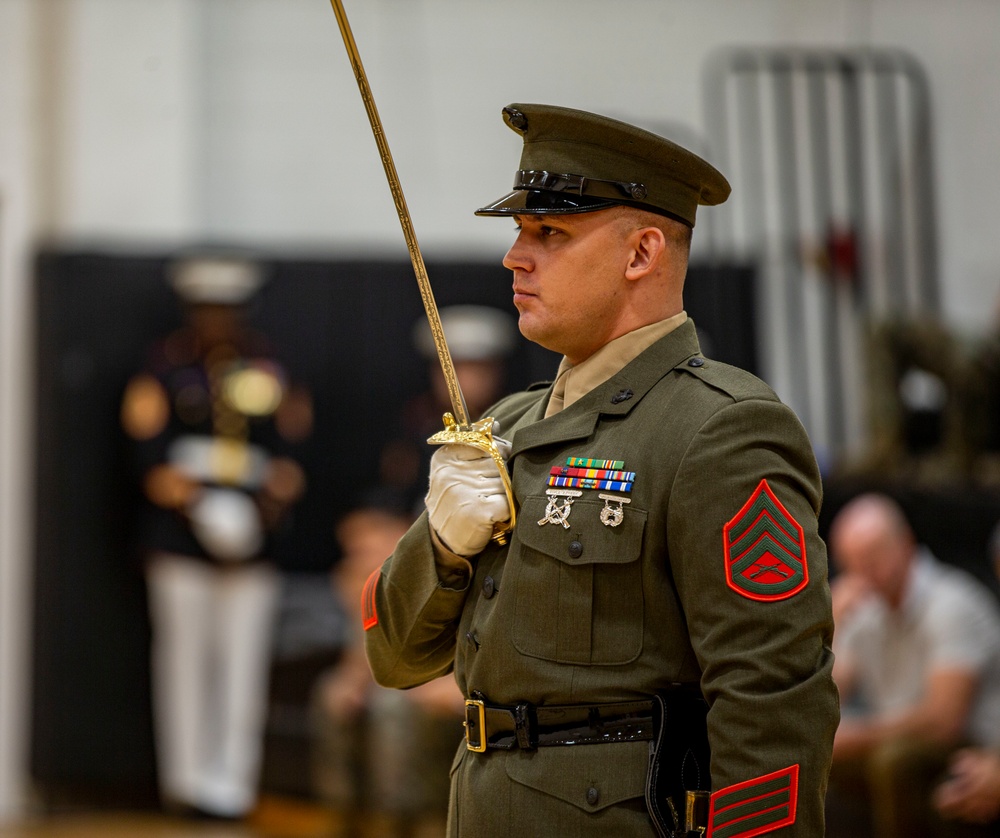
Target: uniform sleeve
[[751, 573], [410, 614], [145, 418]]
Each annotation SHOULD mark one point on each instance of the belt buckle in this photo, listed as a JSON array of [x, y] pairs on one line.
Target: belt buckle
[[475, 720]]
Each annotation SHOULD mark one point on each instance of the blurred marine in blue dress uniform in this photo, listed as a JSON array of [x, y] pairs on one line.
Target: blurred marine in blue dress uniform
[[213, 421]]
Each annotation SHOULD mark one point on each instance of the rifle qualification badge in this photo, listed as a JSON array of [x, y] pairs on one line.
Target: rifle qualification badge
[[559, 506], [765, 549]]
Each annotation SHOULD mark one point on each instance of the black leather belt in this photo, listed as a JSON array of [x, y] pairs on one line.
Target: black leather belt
[[525, 726]]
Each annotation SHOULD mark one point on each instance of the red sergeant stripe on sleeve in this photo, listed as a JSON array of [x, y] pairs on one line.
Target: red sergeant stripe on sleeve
[[765, 549], [369, 616], [756, 806]]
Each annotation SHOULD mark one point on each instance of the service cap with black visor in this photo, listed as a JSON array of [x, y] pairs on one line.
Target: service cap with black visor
[[573, 161]]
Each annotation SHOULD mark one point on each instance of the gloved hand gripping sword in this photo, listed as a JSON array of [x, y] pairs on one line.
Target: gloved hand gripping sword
[[457, 426]]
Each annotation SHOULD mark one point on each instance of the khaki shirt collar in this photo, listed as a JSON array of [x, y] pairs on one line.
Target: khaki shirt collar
[[574, 382]]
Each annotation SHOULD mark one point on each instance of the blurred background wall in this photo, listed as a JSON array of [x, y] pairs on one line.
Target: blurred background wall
[[146, 125]]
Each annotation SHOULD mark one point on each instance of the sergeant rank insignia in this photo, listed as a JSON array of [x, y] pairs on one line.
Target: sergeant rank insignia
[[765, 549]]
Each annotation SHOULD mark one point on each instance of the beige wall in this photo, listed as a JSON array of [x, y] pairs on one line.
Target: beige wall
[[17, 205], [240, 118]]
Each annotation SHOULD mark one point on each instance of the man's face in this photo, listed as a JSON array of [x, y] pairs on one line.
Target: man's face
[[569, 280], [878, 555], [481, 383], [215, 324]]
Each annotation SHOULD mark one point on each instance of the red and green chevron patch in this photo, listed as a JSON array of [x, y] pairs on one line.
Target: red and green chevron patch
[[765, 549], [369, 616]]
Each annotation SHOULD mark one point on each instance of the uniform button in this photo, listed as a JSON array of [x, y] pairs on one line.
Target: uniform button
[[593, 795], [473, 640], [696, 362], [489, 587], [575, 549]]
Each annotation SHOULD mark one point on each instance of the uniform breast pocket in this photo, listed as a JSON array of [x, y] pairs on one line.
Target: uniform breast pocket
[[578, 590]]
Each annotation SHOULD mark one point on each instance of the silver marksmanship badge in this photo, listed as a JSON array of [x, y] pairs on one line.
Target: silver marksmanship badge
[[559, 506], [612, 516]]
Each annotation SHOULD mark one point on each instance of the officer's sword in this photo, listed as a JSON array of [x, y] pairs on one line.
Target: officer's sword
[[457, 426]]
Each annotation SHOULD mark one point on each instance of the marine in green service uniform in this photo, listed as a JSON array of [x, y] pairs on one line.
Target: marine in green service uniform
[[649, 654]]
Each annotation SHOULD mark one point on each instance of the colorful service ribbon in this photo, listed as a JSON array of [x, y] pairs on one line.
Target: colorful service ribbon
[[588, 473]]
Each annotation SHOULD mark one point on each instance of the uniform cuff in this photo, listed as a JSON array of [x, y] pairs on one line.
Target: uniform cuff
[[454, 571]]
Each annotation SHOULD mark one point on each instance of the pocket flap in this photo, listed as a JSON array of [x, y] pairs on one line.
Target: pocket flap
[[587, 540], [590, 777]]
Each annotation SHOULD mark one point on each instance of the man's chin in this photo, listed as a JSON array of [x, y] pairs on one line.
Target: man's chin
[[529, 328], [552, 346]]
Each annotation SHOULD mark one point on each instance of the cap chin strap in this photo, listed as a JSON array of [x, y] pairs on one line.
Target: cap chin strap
[[614, 190], [547, 193], [538, 202]]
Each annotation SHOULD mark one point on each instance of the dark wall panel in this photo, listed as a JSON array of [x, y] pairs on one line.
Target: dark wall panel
[[344, 329]]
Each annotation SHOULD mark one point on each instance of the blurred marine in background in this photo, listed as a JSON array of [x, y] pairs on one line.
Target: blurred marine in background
[[213, 419], [480, 340]]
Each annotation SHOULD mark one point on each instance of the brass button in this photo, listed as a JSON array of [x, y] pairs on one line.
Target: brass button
[[575, 549]]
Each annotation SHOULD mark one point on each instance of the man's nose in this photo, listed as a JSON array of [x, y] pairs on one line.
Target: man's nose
[[518, 256]]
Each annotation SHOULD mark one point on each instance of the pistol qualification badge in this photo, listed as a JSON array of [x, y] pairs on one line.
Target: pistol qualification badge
[[765, 549], [612, 516], [559, 506]]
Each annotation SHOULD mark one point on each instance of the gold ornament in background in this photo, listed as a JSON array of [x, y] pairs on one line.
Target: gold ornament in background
[[230, 461], [252, 391]]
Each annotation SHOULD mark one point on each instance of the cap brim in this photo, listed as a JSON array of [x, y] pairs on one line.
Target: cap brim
[[544, 202]]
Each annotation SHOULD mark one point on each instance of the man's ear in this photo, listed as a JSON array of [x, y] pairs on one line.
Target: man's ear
[[649, 247]]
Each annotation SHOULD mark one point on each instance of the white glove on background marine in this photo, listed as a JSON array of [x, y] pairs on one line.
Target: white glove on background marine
[[466, 496]]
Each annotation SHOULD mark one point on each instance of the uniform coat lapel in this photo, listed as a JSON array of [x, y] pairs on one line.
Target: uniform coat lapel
[[610, 398]]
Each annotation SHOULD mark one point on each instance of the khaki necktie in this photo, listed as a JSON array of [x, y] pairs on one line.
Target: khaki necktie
[[558, 393]]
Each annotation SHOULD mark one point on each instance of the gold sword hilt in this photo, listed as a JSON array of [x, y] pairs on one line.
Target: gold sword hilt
[[480, 435]]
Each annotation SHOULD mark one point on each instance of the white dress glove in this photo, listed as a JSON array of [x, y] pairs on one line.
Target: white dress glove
[[466, 496]]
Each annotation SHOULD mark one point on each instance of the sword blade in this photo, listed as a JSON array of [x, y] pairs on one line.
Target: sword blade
[[458, 406]]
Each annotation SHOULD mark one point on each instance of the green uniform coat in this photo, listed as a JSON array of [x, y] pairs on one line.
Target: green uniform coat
[[641, 606]]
